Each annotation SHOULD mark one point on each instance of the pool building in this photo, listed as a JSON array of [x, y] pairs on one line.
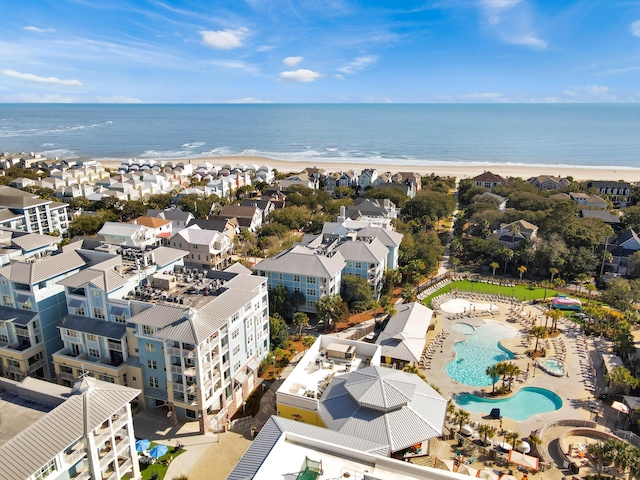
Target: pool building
[[342, 385]]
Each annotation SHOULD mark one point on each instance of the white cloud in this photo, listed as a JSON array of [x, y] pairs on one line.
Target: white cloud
[[512, 21], [224, 39], [31, 28], [264, 48], [236, 65], [359, 63], [292, 61], [339, 77], [590, 93], [527, 40], [36, 98], [300, 75], [118, 99], [30, 77], [248, 100], [635, 28]]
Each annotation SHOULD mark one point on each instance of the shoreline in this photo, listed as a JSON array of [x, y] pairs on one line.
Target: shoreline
[[460, 171]]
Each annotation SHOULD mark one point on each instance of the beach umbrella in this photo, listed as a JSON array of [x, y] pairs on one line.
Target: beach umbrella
[[488, 474], [142, 445], [448, 464], [467, 470], [522, 459], [158, 451], [524, 447]]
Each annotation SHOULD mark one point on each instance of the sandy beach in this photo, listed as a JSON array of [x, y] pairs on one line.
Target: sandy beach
[[459, 171]]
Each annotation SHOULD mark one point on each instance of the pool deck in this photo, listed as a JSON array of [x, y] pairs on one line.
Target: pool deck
[[577, 389]]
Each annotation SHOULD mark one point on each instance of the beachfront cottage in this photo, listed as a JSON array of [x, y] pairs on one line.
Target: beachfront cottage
[[549, 182], [249, 217], [488, 180], [512, 235]]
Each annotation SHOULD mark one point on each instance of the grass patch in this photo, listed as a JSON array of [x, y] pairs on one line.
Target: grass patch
[[147, 471], [522, 292]]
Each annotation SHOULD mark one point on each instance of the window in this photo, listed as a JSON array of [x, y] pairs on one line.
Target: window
[[311, 304], [94, 352], [153, 382], [152, 364], [147, 330], [235, 317], [79, 311], [296, 289], [358, 265], [120, 318], [236, 349], [311, 292], [91, 338], [235, 333], [98, 313], [149, 347], [296, 278], [96, 294], [7, 300], [26, 305], [45, 470], [4, 338], [236, 366], [247, 307], [71, 333], [2, 324], [311, 279]]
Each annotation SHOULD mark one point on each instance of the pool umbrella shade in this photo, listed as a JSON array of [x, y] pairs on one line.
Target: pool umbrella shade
[[523, 459], [158, 451], [142, 445]]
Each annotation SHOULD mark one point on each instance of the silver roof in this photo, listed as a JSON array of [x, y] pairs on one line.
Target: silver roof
[[387, 237], [374, 252], [102, 328], [17, 316], [301, 260], [277, 427], [43, 268], [387, 406], [404, 336], [25, 453], [164, 255], [194, 235], [33, 241], [106, 280]]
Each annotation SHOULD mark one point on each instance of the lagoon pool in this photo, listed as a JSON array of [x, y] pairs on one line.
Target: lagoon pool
[[527, 402], [480, 350]]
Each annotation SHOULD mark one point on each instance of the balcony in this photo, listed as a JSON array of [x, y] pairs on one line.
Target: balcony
[[191, 371], [176, 369], [178, 352], [206, 366], [116, 346], [15, 370], [84, 475], [75, 456], [177, 387], [67, 376], [35, 366], [192, 389], [225, 349]]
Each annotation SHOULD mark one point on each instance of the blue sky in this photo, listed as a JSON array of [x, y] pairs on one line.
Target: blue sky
[[319, 51]]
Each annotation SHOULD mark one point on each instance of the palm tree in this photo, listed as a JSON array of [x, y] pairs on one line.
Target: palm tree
[[451, 407], [521, 270], [534, 441], [558, 283], [555, 316], [502, 370], [539, 332], [515, 230], [300, 320], [487, 431], [492, 372], [545, 284], [512, 437], [513, 371], [455, 261], [507, 254], [494, 266], [462, 417], [590, 288], [582, 278], [553, 271]]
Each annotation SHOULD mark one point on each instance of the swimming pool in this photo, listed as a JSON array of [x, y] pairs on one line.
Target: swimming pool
[[479, 351], [527, 402]]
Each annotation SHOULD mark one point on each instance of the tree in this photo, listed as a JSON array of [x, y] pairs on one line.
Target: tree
[[455, 261], [461, 417], [534, 441], [553, 271], [160, 201], [331, 308], [486, 431], [278, 331], [546, 284], [356, 291], [278, 300], [558, 283], [492, 372], [512, 438], [80, 203], [300, 320], [582, 279], [620, 378], [521, 271], [408, 293], [555, 315], [538, 332], [618, 294], [297, 299], [634, 265], [590, 288], [308, 340], [494, 266], [507, 255]]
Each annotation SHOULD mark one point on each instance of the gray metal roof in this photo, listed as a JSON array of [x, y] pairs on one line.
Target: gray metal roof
[[156, 393], [25, 453], [160, 315], [134, 361], [43, 268], [102, 328], [238, 268], [374, 252], [303, 261], [106, 280], [245, 282], [277, 427], [33, 241], [196, 236], [404, 336], [17, 316], [387, 237], [164, 255], [372, 403]]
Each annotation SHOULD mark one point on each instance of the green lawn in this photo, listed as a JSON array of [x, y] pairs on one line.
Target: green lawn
[[147, 471], [521, 292]]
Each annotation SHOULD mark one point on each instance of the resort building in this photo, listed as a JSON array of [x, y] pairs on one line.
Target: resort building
[[621, 248], [128, 235], [549, 182], [302, 269], [371, 208], [81, 433], [34, 214], [341, 385], [403, 338], [33, 303]]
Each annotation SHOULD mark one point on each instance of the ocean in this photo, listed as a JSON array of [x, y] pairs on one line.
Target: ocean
[[594, 135]]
